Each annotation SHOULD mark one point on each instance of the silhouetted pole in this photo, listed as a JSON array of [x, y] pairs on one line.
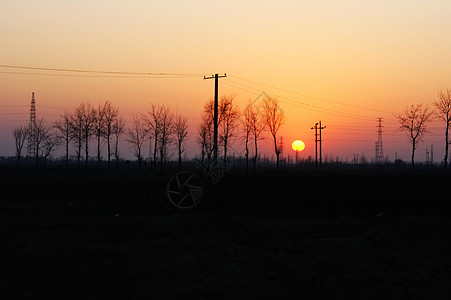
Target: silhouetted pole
[[316, 144], [320, 142], [215, 116]]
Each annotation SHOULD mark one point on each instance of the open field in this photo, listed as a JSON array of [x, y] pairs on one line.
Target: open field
[[354, 234]]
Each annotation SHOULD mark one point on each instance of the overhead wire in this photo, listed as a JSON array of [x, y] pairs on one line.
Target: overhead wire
[[98, 71]]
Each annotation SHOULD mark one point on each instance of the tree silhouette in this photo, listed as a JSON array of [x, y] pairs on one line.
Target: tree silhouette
[[136, 136], [254, 126], [63, 127], [110, 113], [205, 131], [414, 121], [20, 136], [443, 106], [41, 133], [181, 132], [118, 129], [228, 124], [273, 118], [83, 120]]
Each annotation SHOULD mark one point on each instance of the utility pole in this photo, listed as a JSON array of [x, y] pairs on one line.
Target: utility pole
[[320, 143], [316, 144], [318, 127], [215, 116]]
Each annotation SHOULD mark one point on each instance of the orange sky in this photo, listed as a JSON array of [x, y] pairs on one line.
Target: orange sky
[[343, 62]]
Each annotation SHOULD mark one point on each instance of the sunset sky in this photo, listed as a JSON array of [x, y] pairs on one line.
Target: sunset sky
[[345, 63]]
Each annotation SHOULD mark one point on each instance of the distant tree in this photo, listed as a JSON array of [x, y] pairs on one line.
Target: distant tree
[[63, 131], [85, 115], [76, 132], [443, 106], [165, 138], [51, 141], [20, 136], [159, 120], [99, 129], [414, 121], [136, 136], [254, 126], [181, 133], [228, 122], [111, 113], [41, 132], [273, 118], [118, 128], [205, 131], [152, 119]]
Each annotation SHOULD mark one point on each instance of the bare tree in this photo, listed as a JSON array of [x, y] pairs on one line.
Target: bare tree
[[99, 129], [41, 132], [136, 136], [229, 114], [254, 127], [118, 129], [205, 131], [152, 120], [51, 141], [273, 118], [87, 114], [111, 113], [76, 132], [167, 128], [20, 136], [414, 121], [181, 133], [159, 120], [63, 128], [443, 106]]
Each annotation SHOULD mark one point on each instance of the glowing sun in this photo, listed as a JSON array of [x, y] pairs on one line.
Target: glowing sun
[[298, 145]]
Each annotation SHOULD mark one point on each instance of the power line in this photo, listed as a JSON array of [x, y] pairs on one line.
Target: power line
[[98, 71], [312, 97]]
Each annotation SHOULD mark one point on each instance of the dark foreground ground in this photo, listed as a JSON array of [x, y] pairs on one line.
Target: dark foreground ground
[[338, 235]]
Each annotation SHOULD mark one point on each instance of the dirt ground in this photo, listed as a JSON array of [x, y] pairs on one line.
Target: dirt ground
[[67, 250], [173, 255]]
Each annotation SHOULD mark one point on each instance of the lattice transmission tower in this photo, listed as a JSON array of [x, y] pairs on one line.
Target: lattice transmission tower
[[379, 147], [31, 149]]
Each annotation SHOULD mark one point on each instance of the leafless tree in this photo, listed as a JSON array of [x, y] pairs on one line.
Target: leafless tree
[[443, 106], [76, 132], [205, 131], [254, 126], [273, 118], [152, 120], [20, 136], [118, 128], [87, 115], [414, 121], [41, 132], [99, 129], [111, 113], [63, 131], [228, 122], [159, 120], [181, 133], [167, 129], [51, 141], [136, 136]]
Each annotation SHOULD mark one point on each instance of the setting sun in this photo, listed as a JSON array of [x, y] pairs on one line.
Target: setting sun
[[298, 145]]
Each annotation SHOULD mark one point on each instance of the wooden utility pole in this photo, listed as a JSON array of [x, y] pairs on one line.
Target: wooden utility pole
[[318, 127], [215, 116]]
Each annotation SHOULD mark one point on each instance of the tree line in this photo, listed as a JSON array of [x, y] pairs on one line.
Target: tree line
[[165, 130]]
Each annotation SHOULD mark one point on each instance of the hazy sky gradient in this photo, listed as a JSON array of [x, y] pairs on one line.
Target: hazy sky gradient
[[358, 60]]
